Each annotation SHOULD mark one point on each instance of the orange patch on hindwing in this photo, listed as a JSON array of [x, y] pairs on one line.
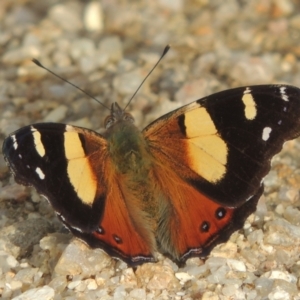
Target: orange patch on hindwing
[[124, 227], [191, 221]]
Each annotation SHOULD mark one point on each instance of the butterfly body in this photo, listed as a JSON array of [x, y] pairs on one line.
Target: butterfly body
[[131, 165], [180, 186]]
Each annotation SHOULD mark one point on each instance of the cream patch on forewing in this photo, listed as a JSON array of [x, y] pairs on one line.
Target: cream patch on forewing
[[39, 147], [79, 169], [250, 105], [207, 151]]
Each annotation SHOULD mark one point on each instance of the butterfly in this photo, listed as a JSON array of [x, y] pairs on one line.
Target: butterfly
[[180, 186]]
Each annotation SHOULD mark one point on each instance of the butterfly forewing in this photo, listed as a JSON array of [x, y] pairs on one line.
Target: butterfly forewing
[[224, 143], [55, 160]]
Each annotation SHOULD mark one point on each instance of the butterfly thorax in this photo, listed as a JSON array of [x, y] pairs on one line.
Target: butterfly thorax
[[127, 148], [126, 145]]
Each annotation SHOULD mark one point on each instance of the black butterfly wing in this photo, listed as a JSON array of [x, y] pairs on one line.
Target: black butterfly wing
[[55, 159]]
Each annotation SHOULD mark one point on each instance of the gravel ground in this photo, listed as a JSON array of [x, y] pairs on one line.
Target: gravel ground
[[107, 48]]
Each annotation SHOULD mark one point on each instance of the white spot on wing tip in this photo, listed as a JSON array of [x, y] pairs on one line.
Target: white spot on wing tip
[[247, 90], [69, 128], [283, 94], [250, 105], [40, 173], [15, 143], [266, 133]]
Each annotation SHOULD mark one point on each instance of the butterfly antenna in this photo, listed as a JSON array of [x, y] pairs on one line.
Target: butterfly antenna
[[167, 48], [65, 80]]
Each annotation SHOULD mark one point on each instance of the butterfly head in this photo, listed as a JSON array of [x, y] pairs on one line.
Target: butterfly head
[[117, 114]]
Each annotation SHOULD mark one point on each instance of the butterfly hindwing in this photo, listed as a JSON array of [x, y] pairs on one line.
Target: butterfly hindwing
[[117, 234], [192, 224]]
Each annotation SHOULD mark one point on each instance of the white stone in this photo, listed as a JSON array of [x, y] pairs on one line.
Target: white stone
[[78, 258], [236, 265], [73, 284], [111, 46], [18, 55], [276, 274], [197, 270], [230, 290], [82, 47], [138, 294], [43, 293], [215, 262], [91, 284], [218, 275], [15, 285], [57, 114], [120, 293], [7, 262], [279, 295], [93, 17], [183, 277], [174, 5]]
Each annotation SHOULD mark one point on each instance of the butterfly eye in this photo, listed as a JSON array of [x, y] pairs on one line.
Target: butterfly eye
[[109, 121]]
